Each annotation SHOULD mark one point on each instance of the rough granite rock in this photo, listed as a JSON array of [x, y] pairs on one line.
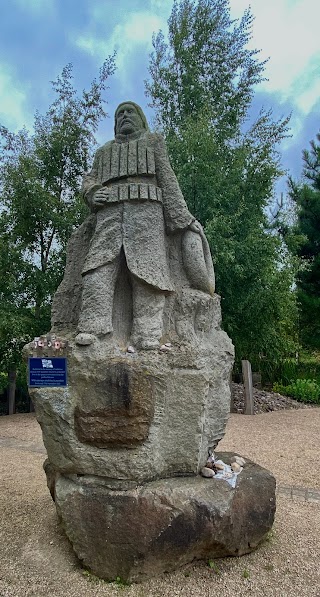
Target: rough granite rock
[[165, 409], [159, 526]]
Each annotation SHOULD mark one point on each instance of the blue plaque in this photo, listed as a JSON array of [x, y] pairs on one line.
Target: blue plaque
[[50, 372]]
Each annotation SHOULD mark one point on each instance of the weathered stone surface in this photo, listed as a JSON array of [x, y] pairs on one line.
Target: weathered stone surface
[[180, 404], [157, 527], [197, 261], [207, 472], [51, 474], [126, 411]]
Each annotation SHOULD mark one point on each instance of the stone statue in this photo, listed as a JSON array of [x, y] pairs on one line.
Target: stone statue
[[137, 201], [148, 393]]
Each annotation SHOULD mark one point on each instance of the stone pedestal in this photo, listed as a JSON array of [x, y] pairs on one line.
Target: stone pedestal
[[137, 417], [159, 526]]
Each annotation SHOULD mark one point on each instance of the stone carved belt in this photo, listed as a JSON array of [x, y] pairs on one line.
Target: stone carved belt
[[135, 192]]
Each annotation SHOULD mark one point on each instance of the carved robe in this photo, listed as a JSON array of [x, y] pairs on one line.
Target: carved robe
[[143, 203]]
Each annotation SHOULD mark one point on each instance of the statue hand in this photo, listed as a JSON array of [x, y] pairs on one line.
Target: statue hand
[[100, 197], [195, 226]]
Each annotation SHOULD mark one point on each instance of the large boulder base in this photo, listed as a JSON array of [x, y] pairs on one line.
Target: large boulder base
[[159, 526]]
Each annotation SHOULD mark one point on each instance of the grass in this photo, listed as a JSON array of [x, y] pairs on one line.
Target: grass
[[212, 564]]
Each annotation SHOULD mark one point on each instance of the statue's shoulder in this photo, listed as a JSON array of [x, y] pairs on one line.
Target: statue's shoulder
[[156, 137], [157, 140], [103, 149]]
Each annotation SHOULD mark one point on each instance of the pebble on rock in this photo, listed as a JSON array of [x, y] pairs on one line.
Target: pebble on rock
[[239, 460], [219, 466], [130, 349], [207, 472], [84, 339], [235, 467], [165, 347]]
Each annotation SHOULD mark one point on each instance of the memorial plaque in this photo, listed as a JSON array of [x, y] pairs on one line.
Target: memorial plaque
[[47, 372]]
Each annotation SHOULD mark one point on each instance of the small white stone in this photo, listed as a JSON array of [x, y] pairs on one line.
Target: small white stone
[[84, 339], [131, 349], [219, 466], [207, 472], [235, 467], [165, 348], [168, 344], [239, 460]]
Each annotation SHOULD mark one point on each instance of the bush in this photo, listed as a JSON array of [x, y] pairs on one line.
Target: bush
[[303, 390], [306, 366]]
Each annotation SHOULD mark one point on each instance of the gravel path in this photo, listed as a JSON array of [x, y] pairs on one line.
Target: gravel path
[[36, 559]]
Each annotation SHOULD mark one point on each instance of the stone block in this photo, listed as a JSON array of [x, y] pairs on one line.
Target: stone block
[[157, 527], [137, 416]]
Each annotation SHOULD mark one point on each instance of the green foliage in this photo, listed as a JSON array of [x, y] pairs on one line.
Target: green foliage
[[201, 86], [3, 381], [122, 584], [269, 567], [307, 366], [40, 180], [246, 574], [91, 577], [304, 390], [306, 234], [214, 566]]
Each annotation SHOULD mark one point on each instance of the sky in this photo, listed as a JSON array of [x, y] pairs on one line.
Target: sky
[[39, 37]]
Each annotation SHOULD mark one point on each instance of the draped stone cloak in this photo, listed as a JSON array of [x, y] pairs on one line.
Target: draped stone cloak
[[143, 204]]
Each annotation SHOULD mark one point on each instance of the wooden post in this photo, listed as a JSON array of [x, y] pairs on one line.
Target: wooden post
[[248, 387], [12, 391]]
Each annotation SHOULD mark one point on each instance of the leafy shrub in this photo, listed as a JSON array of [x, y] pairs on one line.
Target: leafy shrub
[[3, 381], [305, 366], [304, 390]]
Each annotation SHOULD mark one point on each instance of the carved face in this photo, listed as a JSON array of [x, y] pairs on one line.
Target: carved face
[[127, 120]]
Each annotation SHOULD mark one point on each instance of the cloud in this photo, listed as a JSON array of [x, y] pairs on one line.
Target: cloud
[[13, 102], [129, 36], [306, 86], [287, 32]]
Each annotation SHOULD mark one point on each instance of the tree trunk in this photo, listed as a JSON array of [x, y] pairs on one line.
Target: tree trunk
[[12, 391]]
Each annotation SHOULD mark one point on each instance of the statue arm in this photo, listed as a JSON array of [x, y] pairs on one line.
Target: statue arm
[[176, 213], [91, 184]]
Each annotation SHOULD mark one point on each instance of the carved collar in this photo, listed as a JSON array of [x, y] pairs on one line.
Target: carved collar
[[125, 138]]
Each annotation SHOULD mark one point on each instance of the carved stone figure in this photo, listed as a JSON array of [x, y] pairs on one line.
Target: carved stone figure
[[149, 367], [137, 201]]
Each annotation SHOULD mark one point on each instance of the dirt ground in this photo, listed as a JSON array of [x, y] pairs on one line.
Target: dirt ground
[[37, 560]]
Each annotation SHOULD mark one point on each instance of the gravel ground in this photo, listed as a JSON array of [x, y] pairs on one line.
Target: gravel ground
[[37, 560]]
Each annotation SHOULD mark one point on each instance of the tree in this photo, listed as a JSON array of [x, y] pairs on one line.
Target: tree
[[40, 178], [201, 87], [306, 233]]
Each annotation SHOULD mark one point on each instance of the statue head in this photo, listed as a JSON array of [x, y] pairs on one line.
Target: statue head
[[129, 118]]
